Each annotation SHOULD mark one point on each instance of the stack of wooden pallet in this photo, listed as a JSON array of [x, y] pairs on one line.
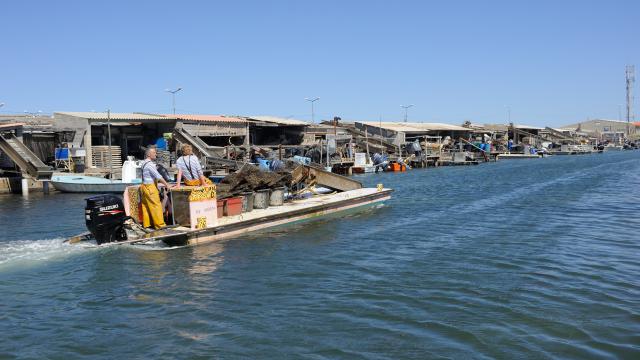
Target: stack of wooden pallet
[[100, 156]]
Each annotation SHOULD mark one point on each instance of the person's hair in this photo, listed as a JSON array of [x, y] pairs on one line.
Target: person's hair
[[148, 151], [187, 149]]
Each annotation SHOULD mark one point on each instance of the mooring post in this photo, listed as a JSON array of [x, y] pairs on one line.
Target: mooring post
[[25, 186], [45, 187]]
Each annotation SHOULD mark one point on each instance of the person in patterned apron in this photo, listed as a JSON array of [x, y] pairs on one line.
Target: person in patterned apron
[[189, 169], [151, 206]]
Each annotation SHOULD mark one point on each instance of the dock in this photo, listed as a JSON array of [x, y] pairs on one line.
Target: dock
[[225, 144]]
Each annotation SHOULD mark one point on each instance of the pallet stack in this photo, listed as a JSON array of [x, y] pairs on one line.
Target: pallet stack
[[100, 156]]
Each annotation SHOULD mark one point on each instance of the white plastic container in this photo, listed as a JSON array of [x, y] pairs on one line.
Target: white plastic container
[[129, 171]]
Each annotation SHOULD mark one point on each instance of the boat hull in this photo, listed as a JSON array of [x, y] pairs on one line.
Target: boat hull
[[517, 156], [87, 184], [367, 169]]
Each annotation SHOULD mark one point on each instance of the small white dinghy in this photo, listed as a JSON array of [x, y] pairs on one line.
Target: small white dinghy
[[89, 184]]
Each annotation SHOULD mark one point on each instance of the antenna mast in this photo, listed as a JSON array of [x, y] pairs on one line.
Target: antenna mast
[[630, 78]]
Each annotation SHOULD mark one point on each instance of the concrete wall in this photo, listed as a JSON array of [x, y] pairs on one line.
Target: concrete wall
[[204, 129], [13, 185], [63, 122]]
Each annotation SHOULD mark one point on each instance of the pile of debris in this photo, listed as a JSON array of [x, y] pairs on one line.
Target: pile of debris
[[251, 178]]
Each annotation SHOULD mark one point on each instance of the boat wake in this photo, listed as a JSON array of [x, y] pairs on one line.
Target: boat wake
[[30, 252], [153, 246]]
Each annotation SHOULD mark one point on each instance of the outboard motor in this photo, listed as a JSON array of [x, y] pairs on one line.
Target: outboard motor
[[105, 217]]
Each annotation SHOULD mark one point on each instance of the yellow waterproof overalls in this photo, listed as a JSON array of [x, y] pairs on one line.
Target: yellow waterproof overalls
[[151, 205]]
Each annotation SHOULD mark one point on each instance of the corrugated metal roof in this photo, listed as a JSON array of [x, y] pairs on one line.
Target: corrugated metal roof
[[504, 127], [520, 126], [278, 120], [414, 127], [208, 118], [10, 125], [114, 116], [607, 120], [598, 122]]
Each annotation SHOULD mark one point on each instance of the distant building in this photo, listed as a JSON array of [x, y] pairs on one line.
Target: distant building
[[399, 133], [605, 128], [129, 132], [132, 132], [272, 131], [519, 133], [37, 133]]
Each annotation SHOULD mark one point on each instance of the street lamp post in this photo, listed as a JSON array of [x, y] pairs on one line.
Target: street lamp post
[[509, 122], [312, 100], [173, 97], [406, 111]]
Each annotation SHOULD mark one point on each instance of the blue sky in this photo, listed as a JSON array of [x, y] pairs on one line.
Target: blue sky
[[551, 62]]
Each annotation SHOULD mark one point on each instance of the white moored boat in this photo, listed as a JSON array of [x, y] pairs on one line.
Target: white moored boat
[[88, 184]]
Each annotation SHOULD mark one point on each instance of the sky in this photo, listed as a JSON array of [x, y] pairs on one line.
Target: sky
[[548, 62]]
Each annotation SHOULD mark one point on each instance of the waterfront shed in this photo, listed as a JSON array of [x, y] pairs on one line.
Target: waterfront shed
[[606, 129], [400, 132], [272, 130], [130, 132]]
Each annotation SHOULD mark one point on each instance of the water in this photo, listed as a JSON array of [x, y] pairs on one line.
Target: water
[[515, 259]]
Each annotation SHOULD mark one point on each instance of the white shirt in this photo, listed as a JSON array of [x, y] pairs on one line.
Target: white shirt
[[150, 172], [190, 167]]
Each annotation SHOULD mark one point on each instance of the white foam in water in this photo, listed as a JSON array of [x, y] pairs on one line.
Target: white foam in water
[[31, 252], [159, 246]]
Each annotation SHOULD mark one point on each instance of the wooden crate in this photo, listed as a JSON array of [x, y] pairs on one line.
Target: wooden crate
[[194, 211]]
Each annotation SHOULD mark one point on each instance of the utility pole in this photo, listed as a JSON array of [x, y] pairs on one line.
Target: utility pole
[[406, 110], [312, 100], [509, 122], [366, 140], [173, 96], [380, 130], [109, 136], [630, 80]]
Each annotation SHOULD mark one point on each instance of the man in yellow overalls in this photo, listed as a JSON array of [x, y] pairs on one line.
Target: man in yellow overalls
[[151, 206]]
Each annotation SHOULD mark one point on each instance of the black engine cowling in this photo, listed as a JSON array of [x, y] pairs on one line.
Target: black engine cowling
[[105, 217]]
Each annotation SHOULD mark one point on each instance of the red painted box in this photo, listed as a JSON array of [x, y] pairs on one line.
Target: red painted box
[[233, 206]]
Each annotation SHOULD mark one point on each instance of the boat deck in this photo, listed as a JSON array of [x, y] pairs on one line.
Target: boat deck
[[297, 206], [288, 213]]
